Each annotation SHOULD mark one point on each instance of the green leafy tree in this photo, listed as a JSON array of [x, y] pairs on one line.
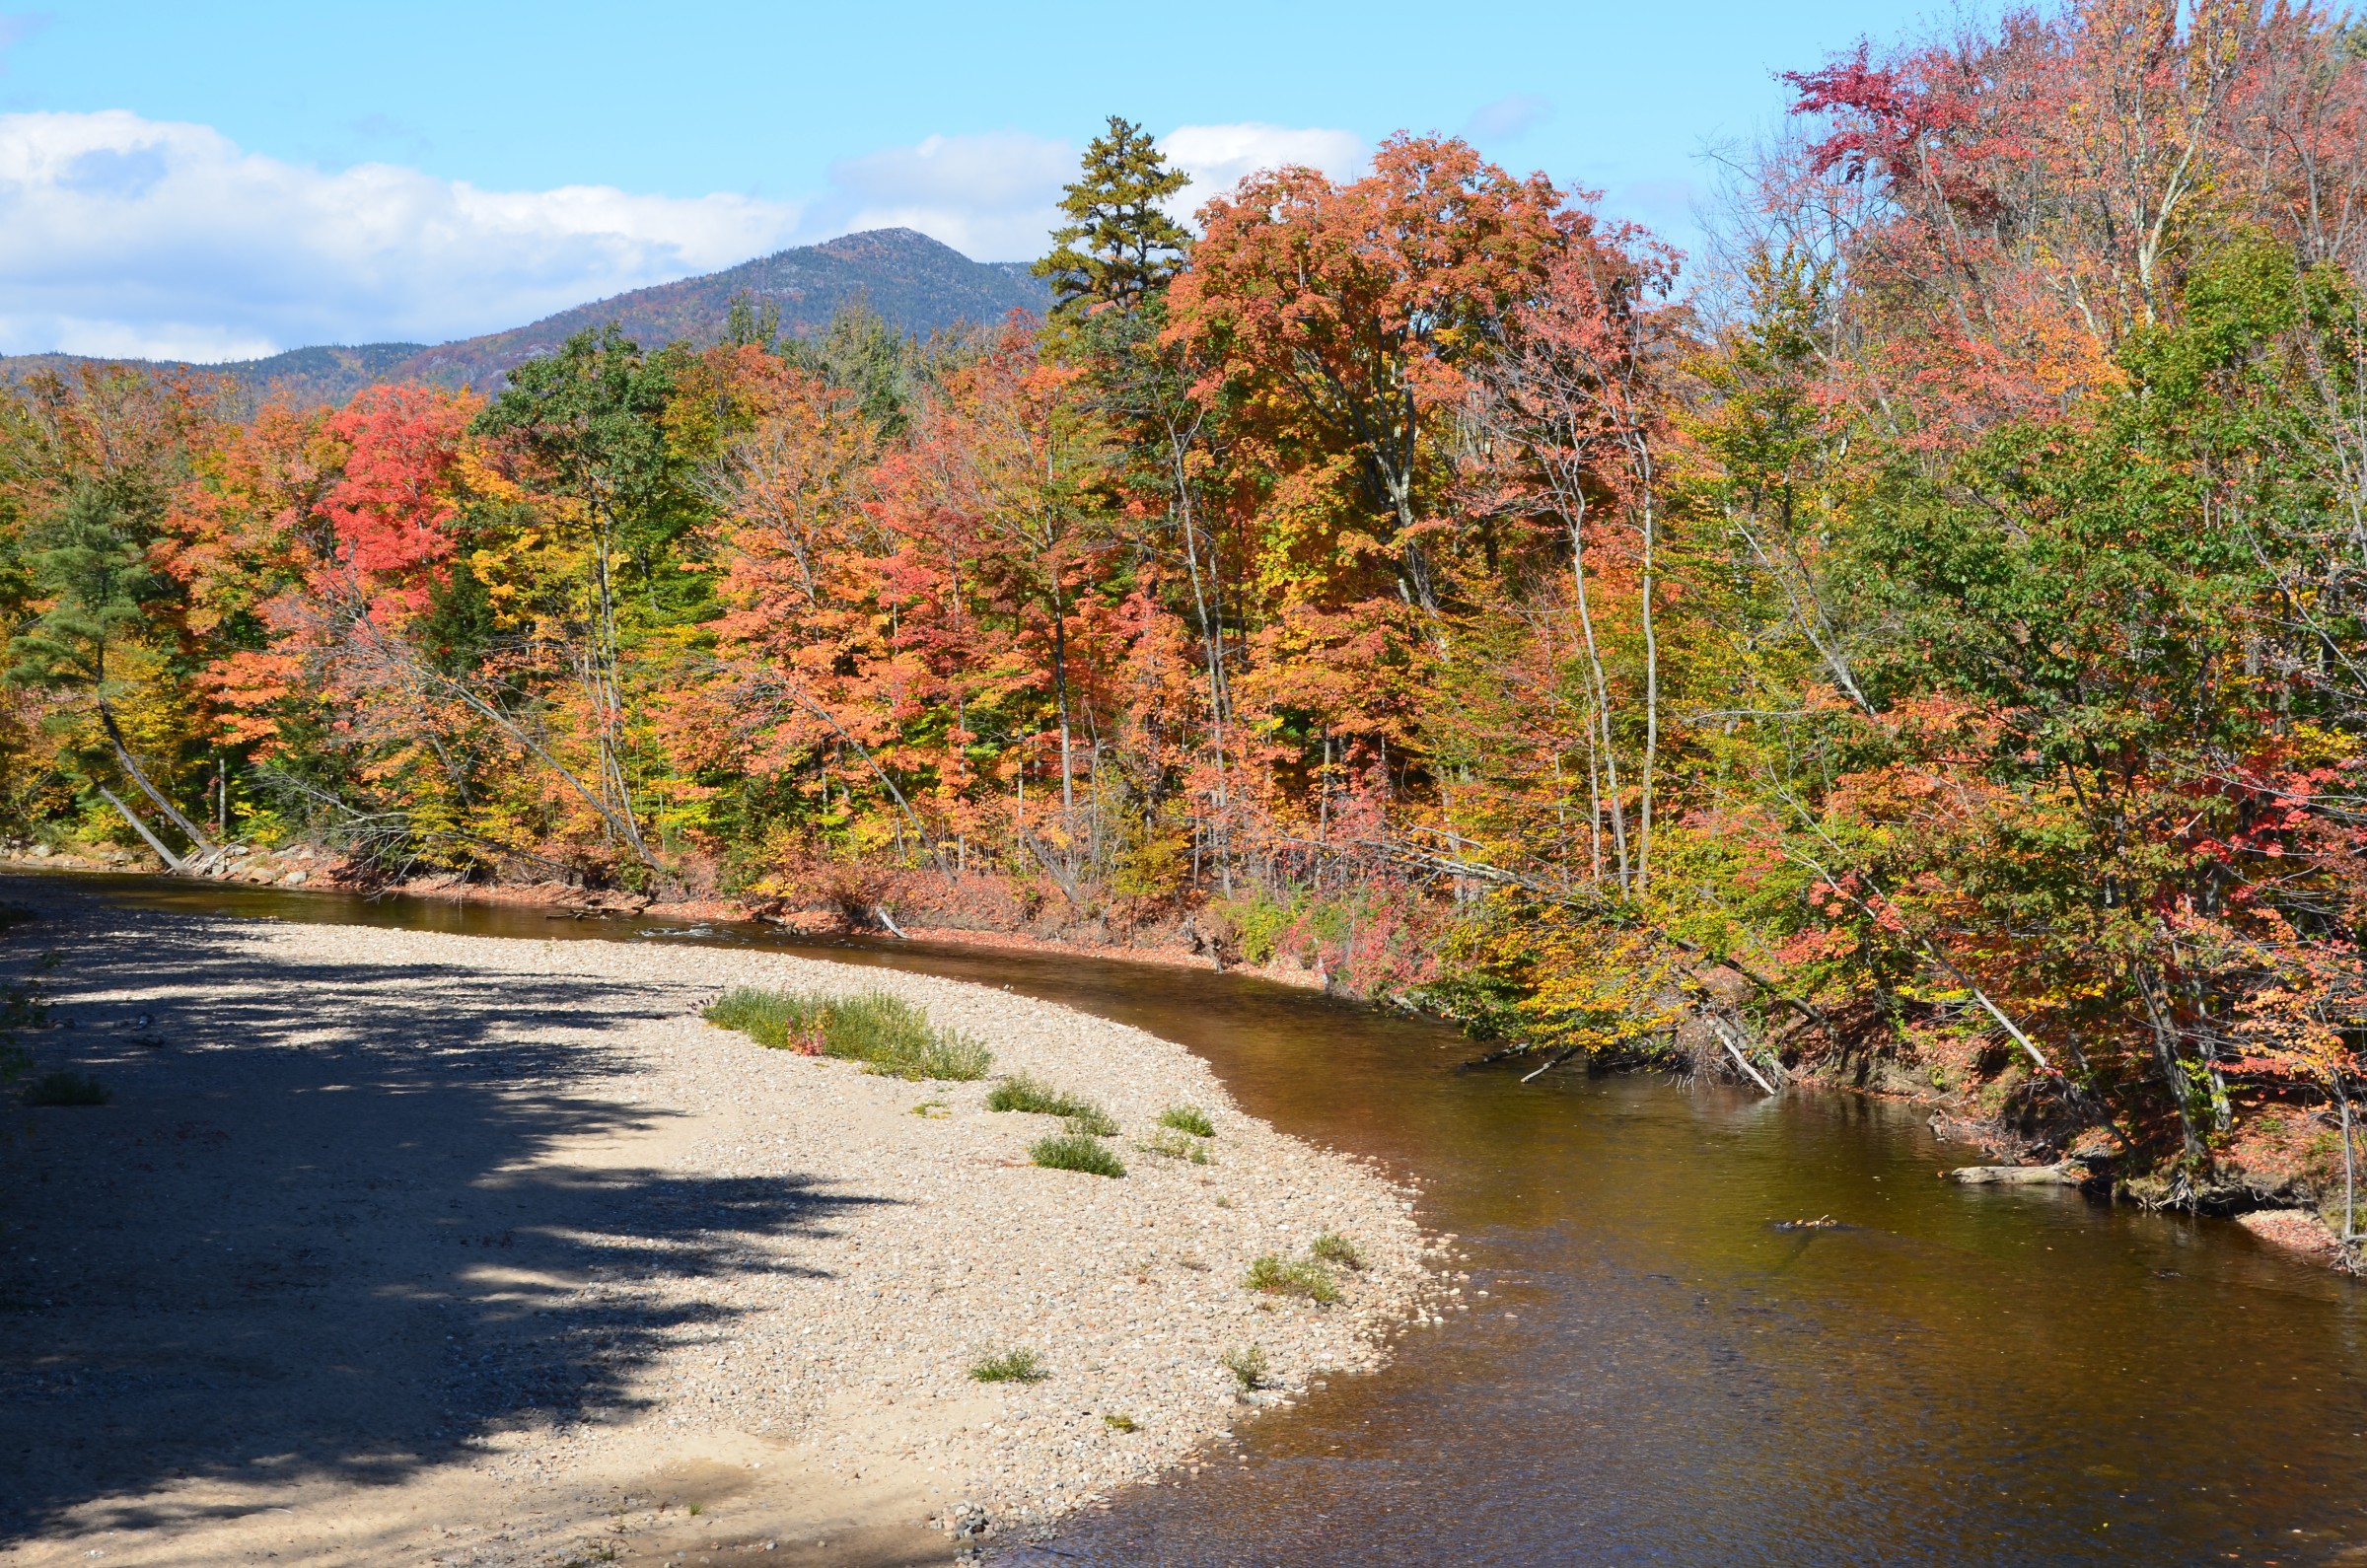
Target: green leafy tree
[[751, 322], [1119, 245], [590, 420], [87, 561], [861, 353]]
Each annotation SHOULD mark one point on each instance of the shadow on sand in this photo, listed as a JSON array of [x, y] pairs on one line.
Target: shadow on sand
[[317, 1232]]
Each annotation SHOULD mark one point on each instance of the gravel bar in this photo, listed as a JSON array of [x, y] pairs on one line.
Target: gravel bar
[[668, 1251]]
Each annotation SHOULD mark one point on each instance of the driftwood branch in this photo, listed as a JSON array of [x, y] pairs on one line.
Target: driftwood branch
[[1558, 1060], [1726, 1037]]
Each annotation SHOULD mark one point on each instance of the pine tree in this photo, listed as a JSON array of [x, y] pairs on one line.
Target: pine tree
[[1119, 243], [89, 560]]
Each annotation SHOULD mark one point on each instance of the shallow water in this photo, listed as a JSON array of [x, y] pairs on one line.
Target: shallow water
[[1659, 1375]]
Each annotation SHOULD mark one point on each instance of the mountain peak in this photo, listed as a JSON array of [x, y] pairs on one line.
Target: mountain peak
[[917, 285]]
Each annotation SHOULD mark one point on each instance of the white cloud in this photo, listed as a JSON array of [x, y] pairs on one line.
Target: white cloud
[[997, 196], [121, 235], [993, 197], [1219, 157], [1509, 118]]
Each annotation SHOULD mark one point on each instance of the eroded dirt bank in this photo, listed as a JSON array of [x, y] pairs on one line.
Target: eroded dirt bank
[[400, 1247]]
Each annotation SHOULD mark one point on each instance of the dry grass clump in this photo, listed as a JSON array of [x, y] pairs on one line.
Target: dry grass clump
[[885, 1033], [1175, 1146]]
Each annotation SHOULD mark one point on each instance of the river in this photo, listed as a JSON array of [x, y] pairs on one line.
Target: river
[[1660, 1373]]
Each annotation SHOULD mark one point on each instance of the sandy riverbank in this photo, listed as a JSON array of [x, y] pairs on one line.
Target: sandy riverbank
[[398, 1247]]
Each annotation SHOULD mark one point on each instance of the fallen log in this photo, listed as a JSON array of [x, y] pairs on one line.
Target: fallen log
[[2069, 1173]]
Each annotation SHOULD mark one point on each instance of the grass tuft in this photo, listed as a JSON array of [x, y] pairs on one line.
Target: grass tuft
[[1247, 1367], [1189, 1118], [1301, 1277], [1120, 1423], [778, 1018], [1175, 1146], [63, 1087], [1076, 1151], [950, 1058], [1012, 1366], [1019, 1091], [885, 1033], [1334, 1248]]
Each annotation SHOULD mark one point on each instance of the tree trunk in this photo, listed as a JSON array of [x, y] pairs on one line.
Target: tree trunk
[[173, 862], [1644, 478], [1576, 520], [123, 756]]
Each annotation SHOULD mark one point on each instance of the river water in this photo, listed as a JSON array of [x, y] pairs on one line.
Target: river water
[[1660, 1374]]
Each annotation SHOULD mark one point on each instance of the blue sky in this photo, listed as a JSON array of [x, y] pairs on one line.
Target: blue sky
[[230, 179]]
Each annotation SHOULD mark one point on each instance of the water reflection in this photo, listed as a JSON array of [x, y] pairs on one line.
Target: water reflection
[[1661, 1375]]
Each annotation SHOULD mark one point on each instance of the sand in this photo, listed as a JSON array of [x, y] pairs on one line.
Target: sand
[[402, 1248]]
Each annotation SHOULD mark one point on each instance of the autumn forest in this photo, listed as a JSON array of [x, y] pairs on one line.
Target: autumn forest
[[1919, 639]]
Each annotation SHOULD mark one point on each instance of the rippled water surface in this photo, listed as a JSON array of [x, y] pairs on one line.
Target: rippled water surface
[[1950, 1377]]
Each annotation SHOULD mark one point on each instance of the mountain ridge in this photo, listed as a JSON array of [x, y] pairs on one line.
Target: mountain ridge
[[916, 284]]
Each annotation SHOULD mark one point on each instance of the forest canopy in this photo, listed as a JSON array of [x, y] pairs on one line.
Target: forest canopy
[[1925, 630]]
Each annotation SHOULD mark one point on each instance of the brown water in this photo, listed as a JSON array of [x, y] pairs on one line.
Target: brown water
[[1953, 1376]]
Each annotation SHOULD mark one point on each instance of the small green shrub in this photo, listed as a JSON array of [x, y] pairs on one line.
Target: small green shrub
[[1075, 1151], [1247, 1367], [1189, 1118], [63, 1087], [1120, 1423], [1334, 1248], [1019, 1091], [1300, 1277], [885, 1033], [1012, 1366]]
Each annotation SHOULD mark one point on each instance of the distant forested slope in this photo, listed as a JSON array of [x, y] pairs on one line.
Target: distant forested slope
[[916, 284]]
